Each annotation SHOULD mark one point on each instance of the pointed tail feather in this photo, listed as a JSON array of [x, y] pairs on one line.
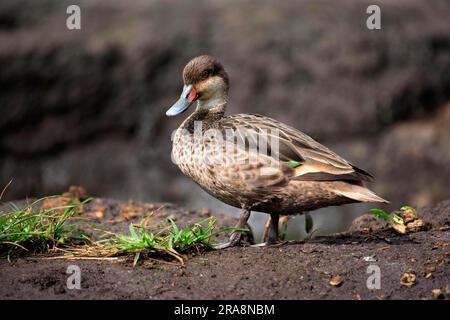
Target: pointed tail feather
[[358, 193]]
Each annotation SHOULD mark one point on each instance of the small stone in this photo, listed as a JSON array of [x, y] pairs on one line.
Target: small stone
[[205, 212], [369, 259], [336, 281], [99, 212], [431, 269], [447, 290], [437, 294]]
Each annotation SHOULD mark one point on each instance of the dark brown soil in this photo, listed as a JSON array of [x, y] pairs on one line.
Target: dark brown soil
[[288, 271]]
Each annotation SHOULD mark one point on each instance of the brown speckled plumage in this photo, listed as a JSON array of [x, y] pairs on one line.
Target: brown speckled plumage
[[321, 178]]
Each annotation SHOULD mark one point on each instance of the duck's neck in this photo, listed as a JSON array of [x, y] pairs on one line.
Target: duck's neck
[[207, 112], [213, 108], [214, 102]]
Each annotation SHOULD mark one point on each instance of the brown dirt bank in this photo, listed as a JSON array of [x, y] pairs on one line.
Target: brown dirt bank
[[290, 271]]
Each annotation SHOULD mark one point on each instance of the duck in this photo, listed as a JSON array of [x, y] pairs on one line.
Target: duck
[[253, 162]]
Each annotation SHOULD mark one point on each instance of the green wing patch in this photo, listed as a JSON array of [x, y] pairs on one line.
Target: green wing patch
[[294, 164]]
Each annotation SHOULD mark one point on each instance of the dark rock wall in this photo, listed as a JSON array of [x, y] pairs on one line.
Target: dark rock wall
[[87, 107]]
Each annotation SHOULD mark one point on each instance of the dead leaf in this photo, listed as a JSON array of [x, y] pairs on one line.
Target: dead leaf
[[440, 262], [400, 228], [415, 225], [336, 281], [57, 202], [408, 279], [130, 211], [76, 193], [408, 215]]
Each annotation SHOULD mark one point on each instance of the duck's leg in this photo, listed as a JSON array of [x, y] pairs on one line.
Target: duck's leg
[[273, 235], [236, 236], [282, 225], [266, 230]]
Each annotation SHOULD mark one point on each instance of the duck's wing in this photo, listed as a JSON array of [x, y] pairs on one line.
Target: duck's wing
[[308, 159]]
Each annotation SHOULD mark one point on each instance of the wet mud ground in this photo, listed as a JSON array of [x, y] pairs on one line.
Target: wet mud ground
[[294, 270]]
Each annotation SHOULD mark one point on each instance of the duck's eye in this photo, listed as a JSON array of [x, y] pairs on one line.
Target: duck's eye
[[206, 74]]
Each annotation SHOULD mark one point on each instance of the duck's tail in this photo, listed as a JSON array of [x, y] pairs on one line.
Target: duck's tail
[[359, 193]]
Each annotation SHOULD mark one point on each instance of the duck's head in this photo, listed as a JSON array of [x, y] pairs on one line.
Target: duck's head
[[205, 81]]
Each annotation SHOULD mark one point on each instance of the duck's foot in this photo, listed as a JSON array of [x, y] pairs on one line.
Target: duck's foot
[[236, 236], [272, 244], [272, 237], [310, 235], [235, 239], [223, 245], [264, 244], [271, 241], [260, 245]]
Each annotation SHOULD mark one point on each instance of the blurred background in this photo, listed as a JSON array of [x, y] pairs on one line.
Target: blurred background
[[87, 107]]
